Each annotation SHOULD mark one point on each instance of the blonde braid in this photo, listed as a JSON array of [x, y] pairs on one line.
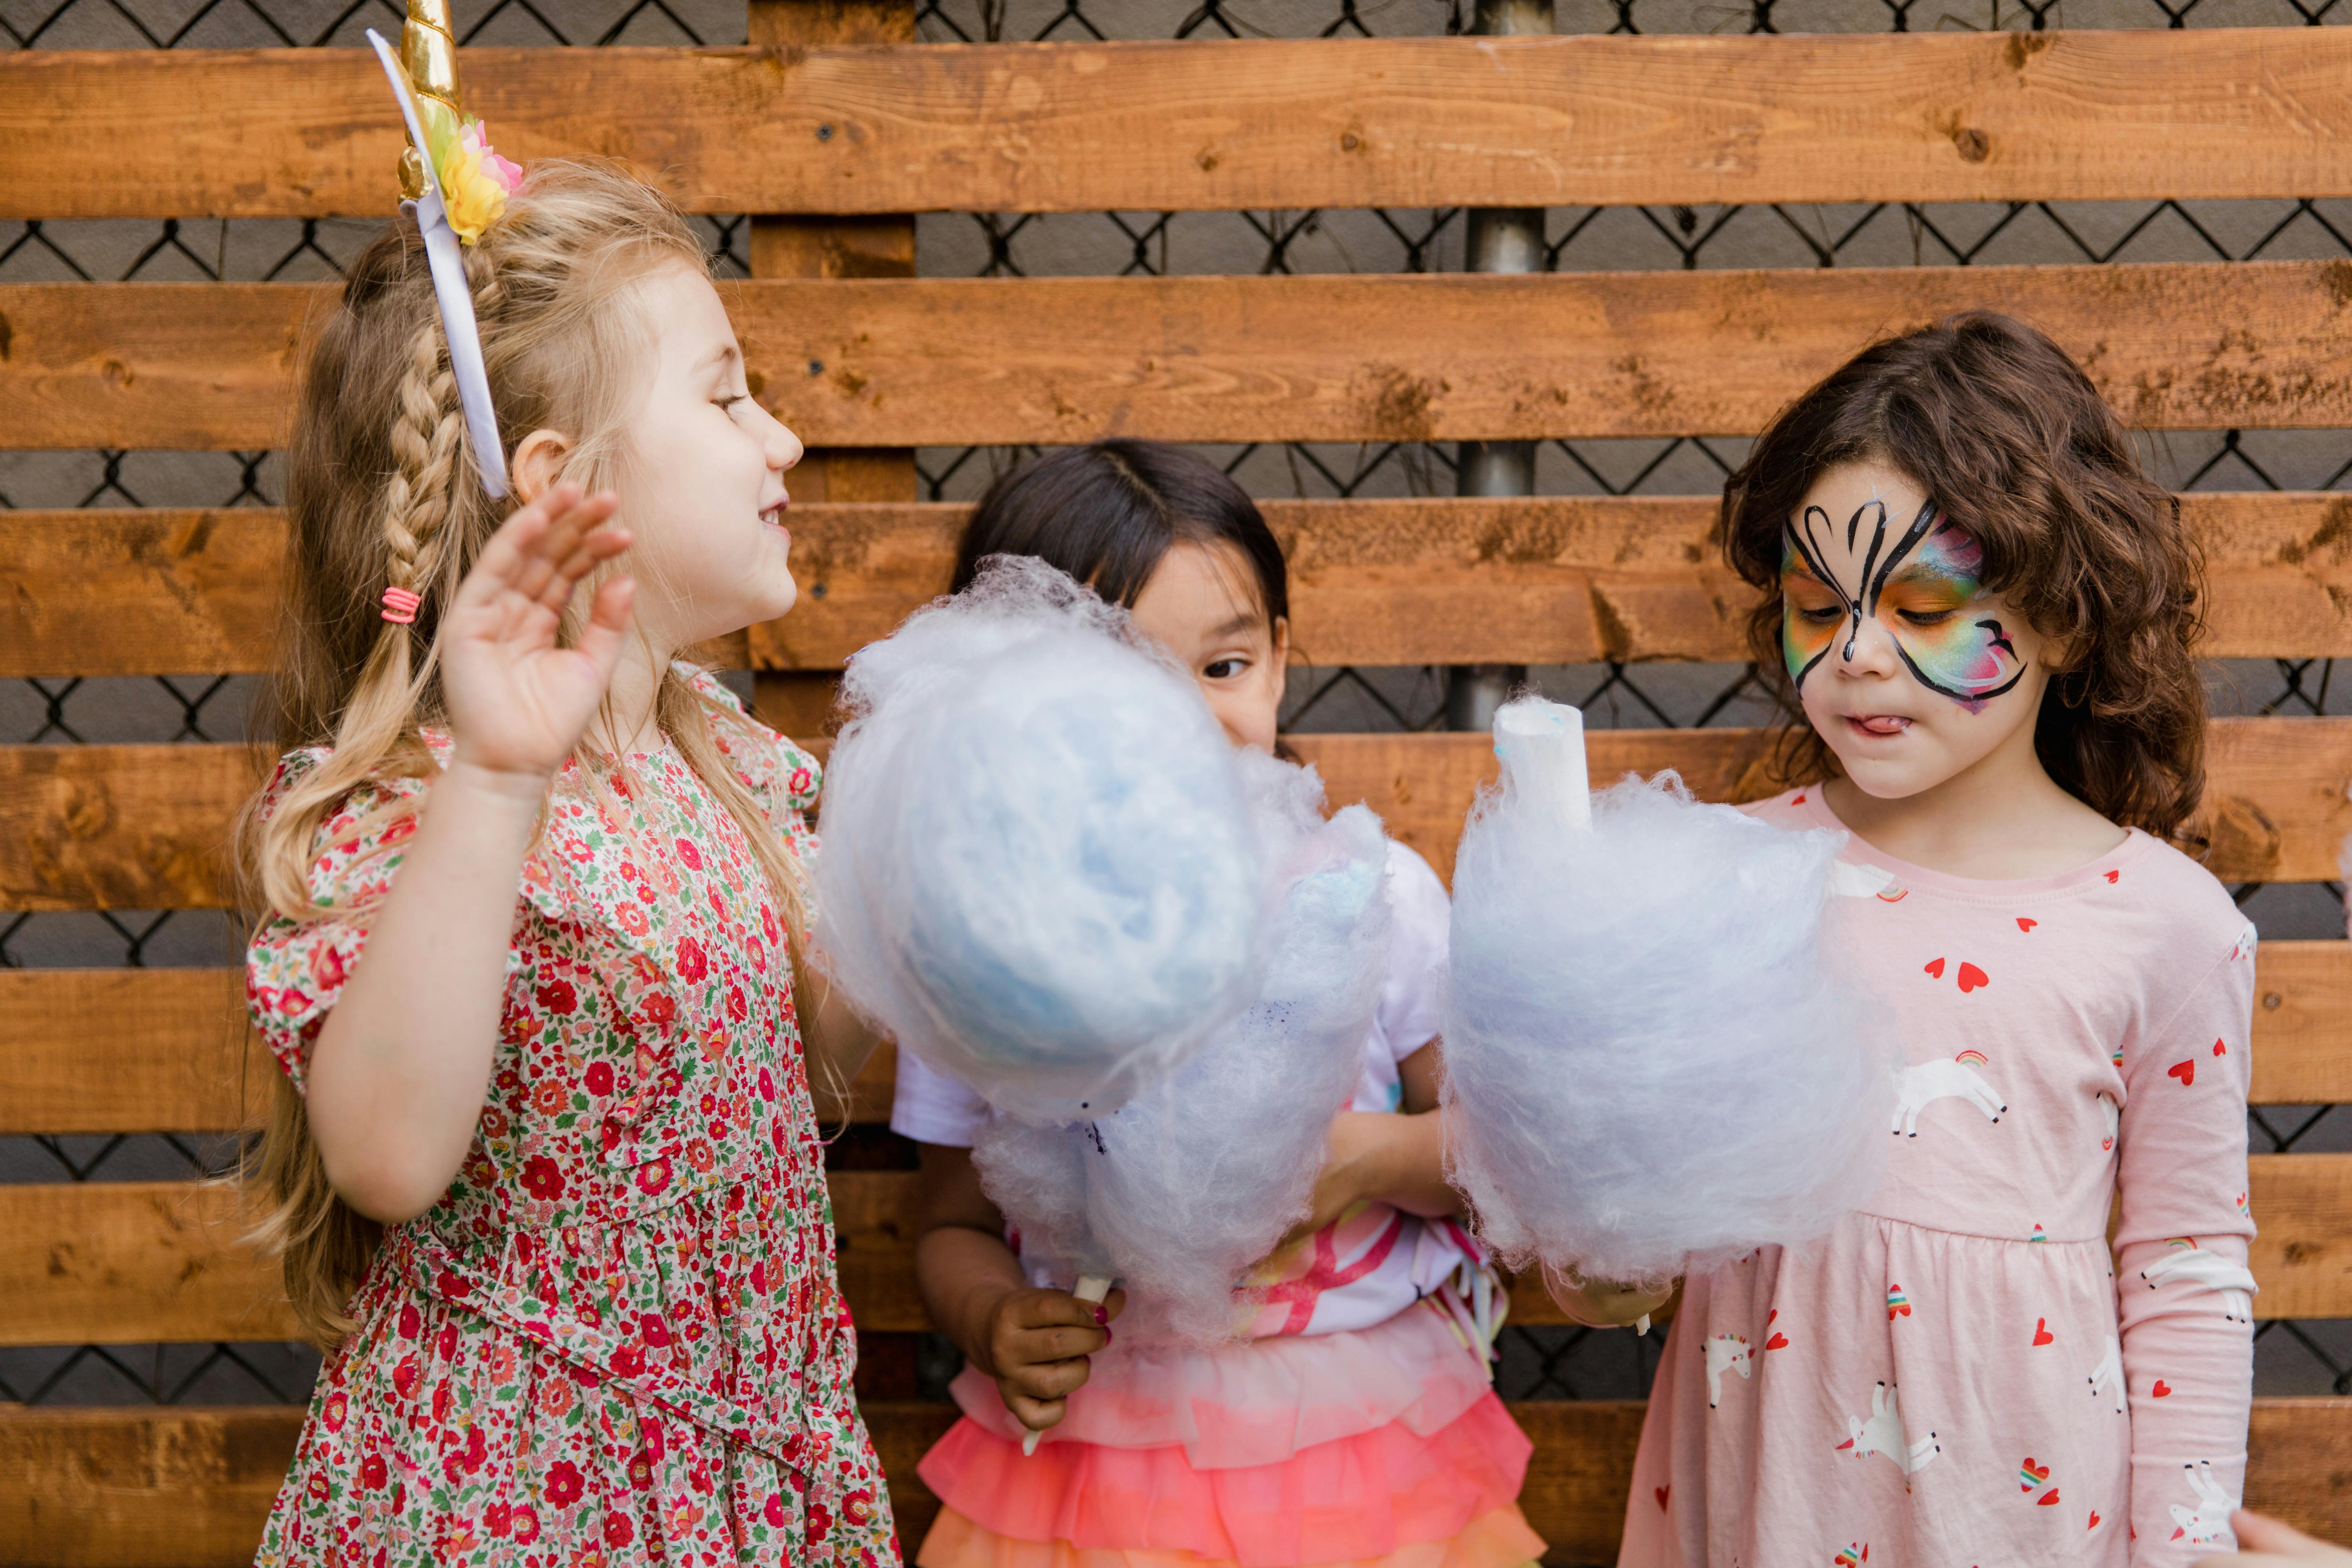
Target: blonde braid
[[428, 440]]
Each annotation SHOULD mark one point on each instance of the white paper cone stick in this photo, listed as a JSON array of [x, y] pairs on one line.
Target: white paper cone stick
[[1541, 747], [1092, 1288]]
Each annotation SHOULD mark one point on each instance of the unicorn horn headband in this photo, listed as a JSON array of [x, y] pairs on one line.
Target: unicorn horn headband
[[455, 187]]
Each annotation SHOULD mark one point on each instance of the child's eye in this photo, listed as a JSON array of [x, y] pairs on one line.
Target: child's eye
[[1820, 615], [727, 401], [1925, 617], [1223, 669]]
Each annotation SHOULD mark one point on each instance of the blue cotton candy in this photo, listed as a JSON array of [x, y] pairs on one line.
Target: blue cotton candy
[[1198, 1176], [1652, 1066], [1038, 870]]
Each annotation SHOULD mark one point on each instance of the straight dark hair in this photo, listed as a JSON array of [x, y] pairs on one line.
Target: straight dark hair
[[1993, 422], [1107, 513]]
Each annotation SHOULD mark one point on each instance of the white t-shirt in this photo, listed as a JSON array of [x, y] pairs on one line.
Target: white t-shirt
[[1406, 1259]]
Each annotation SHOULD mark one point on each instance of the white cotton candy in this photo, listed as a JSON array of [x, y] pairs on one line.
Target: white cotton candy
[[1652, 1065], [1197, 1178], [1039, 873]]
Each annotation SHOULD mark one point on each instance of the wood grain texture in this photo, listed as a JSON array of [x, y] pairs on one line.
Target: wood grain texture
[[127, 1050], [134, 1263], [2275, 807], [1218, 124], [189, 1488], [162, 1050], [1536, 580], [894, 363], [146, 827], [2303, 1022], [168, 1050], [120, 827]]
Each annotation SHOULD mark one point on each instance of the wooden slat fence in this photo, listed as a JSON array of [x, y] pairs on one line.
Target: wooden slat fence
[[833, 128]]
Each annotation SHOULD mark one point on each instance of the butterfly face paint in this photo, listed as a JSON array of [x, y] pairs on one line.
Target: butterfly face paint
[[1921, 585]]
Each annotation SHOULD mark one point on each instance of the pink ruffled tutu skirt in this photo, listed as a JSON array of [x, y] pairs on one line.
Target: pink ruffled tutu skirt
[[1381, 1445]]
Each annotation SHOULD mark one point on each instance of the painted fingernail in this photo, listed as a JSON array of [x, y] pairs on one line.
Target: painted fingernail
[[1101, 1316]]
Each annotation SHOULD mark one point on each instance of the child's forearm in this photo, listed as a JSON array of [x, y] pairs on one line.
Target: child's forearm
[[964, 1273], [398, 1075], [1406, 1167]]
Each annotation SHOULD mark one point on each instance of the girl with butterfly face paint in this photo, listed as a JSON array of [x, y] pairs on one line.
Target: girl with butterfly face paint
[[1978, 612], [1912, 673]]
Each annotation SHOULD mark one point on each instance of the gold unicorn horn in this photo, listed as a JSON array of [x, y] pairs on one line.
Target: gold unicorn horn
[[428, 53]]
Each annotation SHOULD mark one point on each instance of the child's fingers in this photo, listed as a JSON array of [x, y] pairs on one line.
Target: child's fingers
[[505, 559], [1053, 1309], [568, 550], [1113, 1305], [608, 622], [1049, 1380], [2259, 1532], [1035, 1413], [1054, 1345]]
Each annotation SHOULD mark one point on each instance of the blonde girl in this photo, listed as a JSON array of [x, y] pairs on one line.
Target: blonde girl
[[543, 1166]]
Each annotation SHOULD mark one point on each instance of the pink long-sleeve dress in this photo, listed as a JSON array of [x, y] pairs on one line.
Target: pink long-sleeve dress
[[1962, 1374]]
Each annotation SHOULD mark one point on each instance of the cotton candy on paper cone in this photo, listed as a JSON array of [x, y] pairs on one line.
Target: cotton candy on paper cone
[[1039, 872], [1652, 1064], [1200, 1173]]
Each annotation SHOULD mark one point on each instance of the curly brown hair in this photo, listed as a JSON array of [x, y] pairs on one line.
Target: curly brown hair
[[1991, 420]]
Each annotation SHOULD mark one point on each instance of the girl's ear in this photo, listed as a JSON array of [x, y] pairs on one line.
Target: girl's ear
[[538, 460], [1281, 642]]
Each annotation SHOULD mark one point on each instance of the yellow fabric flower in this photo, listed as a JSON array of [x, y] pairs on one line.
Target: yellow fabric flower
[[474, 184]]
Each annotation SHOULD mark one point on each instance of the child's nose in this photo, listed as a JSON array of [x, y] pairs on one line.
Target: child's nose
[[784, 448], [1867, 650]]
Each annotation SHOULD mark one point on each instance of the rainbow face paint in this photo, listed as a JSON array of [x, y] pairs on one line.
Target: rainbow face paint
[[1923, 588]]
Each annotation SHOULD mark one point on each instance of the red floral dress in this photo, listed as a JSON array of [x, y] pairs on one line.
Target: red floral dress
[[618, 1338]]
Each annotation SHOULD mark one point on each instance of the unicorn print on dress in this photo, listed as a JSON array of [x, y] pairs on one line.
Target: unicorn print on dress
[[1849, 880], [2109, 1374], [1853, 1556], [2246, 942], [1884, 1433], [2207, 1524], [2208, 1271], [2112, 1115], [1726, 1353], [1916, 1087]]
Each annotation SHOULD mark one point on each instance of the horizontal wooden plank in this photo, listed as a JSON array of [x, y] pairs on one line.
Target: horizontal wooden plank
[[2303, 1022], [120, 827], [2275, 807], [142, 1262], [145, 828], [954, 361], [190, 1488], [1220, 124], [134, 1263], [1530, 580], [161, 1050], [167, 1050], [127, 1050]]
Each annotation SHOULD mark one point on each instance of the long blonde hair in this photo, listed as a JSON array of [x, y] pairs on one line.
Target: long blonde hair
[[383, 492]]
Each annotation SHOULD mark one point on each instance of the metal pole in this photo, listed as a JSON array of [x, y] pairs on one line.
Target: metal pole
[[1499, 240]]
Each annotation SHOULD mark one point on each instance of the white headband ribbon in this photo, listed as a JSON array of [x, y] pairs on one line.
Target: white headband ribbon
[[449, 287]]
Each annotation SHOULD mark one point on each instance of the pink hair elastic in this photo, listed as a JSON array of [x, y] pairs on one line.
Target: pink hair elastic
[[400, 606]]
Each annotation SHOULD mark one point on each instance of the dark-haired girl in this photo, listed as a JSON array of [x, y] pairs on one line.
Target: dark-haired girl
[[1351, 1420], [1982, 610]]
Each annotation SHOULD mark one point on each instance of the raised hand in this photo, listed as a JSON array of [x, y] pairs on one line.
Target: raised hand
[[519, 703]]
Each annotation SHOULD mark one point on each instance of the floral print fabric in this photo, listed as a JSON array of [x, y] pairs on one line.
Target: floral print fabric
[[618, 1338]]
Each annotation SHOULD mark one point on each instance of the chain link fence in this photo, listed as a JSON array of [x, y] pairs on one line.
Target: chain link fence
[[2291, 1357]]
